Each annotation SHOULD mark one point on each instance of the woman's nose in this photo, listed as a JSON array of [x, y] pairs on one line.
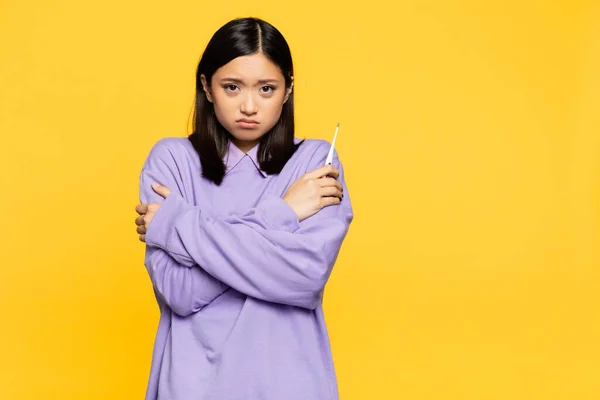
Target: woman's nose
[[249, 104]]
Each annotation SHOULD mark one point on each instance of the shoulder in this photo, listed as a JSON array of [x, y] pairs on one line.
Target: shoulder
[[313, 152], [312, 144], [170, 145], [171, 150]]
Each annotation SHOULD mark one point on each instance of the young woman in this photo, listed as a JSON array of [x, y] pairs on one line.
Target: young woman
[[242, 223]]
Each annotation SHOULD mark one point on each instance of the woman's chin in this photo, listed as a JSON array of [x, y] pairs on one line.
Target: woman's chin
[[247, 135]]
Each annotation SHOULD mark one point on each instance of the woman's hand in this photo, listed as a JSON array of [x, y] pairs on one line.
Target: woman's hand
[[313, 191], [147, 211]]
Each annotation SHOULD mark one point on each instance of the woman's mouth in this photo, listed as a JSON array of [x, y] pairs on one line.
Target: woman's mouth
[[247, 123]]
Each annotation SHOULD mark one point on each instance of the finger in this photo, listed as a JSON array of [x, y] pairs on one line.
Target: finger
[[326, 170], [162, 190], [331, 191], [153, 207], [142, 238], [324, 182], [140, 220], [329, 201], [148, 219], [141, 208], [141, 230]]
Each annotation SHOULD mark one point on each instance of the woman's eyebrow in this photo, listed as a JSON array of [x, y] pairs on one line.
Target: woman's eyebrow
[[261, 81], [239, 81]]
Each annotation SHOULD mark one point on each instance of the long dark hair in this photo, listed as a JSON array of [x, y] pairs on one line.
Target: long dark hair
[[241, 37]]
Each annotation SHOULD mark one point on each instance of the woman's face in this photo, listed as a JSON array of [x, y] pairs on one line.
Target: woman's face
[[248, 94]]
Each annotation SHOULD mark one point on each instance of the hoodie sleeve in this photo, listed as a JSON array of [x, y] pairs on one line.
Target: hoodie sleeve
[[184, 288], [265, 253]]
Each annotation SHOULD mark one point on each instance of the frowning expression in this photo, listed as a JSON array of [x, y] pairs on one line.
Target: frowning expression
[[248, 95]]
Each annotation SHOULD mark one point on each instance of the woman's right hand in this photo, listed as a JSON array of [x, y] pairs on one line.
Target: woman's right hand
[[313, 191]]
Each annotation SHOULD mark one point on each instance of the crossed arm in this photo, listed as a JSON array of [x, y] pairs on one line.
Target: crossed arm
[[265, 253]]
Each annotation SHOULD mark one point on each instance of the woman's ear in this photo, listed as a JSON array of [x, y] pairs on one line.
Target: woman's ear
[[289, 90], [206, 88]]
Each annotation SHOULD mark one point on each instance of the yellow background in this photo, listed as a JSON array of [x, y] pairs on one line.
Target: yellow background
[[469, 133]]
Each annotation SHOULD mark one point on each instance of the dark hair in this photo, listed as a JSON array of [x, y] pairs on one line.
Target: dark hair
[[241, 37]]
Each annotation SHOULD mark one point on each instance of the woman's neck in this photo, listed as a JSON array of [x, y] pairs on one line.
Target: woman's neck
[[243, 145]]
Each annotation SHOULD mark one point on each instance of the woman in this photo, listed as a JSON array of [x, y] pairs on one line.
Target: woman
[[242, 223]]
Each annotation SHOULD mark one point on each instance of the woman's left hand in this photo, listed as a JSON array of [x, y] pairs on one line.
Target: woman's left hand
[[147, 211]]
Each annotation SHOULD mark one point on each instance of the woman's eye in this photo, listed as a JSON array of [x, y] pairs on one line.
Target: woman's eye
[[231, 87], [267, 89]]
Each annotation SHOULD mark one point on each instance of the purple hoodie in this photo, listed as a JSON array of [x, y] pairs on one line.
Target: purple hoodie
[[238, 279]]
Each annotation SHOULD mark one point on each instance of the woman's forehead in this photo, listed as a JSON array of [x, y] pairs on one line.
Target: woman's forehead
[[254, 67]]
